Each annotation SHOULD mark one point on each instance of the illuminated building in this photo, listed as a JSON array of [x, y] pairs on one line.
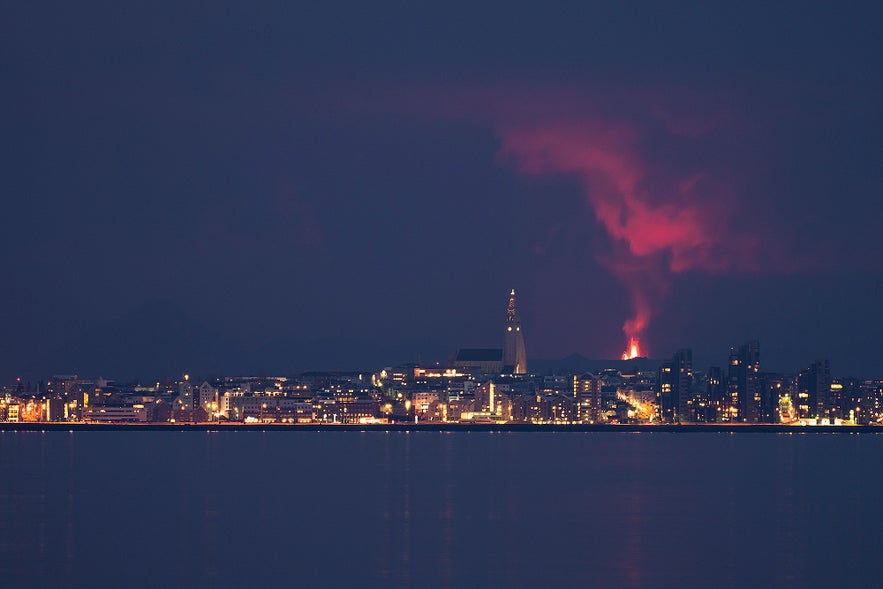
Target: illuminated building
[[867, 406], [185, 399], [557, 384], [716, 393], [485, 394], [459, 387], [844, 391], [228, 405], [56, 408], [62, 384], [422, 401], [268, 408], [814, 390], [71, 389], [742, 382], [458, 408], [587, 393], [492, 401], [514, 354], [534, 408], [160, 411], [511, 359], [182, 415], [664, 386], [208, 397], [538, 410], [674, 383], [703, 406], [772, 387], [135, 413], [358, 410], [562, 409]]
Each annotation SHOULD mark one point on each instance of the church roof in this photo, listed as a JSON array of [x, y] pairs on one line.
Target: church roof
[[480, 355]]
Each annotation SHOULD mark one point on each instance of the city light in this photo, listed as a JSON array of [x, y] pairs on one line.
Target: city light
[[477, 386]]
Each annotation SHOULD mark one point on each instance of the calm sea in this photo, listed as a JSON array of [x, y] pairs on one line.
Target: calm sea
[[348, 509]]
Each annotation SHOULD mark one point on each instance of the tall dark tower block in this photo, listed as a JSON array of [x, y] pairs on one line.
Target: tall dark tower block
[[814, 390], [674, 384], [744, 382], [514, 356]]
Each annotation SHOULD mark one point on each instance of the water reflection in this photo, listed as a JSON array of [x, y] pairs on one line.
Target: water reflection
[[447, 555], [94, 509]]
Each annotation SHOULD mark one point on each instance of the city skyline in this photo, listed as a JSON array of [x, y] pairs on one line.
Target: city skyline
[[474, 386]]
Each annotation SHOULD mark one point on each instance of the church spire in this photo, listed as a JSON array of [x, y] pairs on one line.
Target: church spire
[[514, 356], [511, 314]]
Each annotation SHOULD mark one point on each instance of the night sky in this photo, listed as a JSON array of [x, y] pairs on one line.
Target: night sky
[[292, 186]]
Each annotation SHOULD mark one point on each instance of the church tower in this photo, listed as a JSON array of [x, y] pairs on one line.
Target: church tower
[[514, 356]]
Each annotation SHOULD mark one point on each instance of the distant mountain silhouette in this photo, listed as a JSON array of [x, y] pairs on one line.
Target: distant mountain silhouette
[[156, 339], [292, 355], [576, 363], [159, 339]]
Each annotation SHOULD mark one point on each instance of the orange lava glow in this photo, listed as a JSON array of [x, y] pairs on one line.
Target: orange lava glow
[[633, 351]]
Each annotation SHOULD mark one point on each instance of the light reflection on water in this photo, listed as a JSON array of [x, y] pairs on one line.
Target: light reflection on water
[[337, 509]]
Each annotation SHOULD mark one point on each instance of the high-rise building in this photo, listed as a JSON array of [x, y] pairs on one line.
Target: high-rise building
[[484, 397], [716, 393], [208, 397], [674, 383], [814, 390], [185, 398], [743, 386], [514, 355], [846, 394], [587, 393], [772, 387]]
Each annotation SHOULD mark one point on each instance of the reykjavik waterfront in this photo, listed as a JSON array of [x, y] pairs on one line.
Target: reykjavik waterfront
[[484, 388]]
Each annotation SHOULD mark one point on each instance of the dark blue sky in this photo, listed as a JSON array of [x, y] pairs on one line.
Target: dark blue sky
[[358, 183]]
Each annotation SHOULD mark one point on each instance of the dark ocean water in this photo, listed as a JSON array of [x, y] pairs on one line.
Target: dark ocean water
[[347, 509]]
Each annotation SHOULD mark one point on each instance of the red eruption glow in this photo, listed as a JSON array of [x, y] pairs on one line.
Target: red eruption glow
[[633, 351], [662, 219], [641, 157]]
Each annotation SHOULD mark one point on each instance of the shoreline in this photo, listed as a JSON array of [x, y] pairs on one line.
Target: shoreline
[[445, 428]]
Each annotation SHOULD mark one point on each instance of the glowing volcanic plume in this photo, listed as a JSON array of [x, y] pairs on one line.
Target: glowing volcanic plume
[[663, 216], [652, 164]]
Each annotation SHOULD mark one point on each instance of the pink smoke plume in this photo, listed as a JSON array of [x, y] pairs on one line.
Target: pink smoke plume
[[638, 156], [661, 220]]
